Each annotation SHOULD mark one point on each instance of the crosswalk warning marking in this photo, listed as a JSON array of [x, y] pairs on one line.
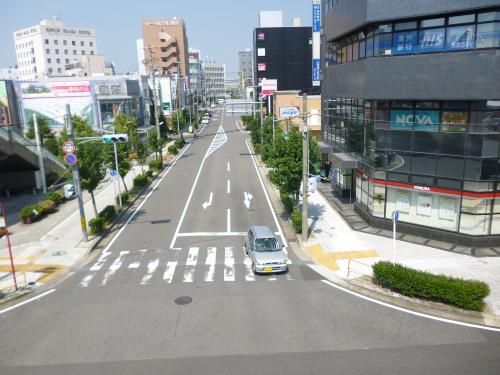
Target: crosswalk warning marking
[[191, 264], [228, 264], [115, 266], [210, 262], [152, 266], [169, 272]]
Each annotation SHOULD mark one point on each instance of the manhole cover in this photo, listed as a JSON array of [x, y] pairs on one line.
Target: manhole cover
[[184, 300], [59, 253]]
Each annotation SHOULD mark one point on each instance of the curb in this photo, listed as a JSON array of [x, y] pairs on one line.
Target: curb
[[370, 289]]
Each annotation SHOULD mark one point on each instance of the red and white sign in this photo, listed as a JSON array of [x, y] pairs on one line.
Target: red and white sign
[[32, 90], [261, 36], [269, 86], [68, 147], [261, 67]]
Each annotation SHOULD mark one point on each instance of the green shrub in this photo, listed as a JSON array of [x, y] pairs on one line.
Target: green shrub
[[108, 213], [156, 165], [172, 149], [30, 212], [125, 198], [179, 143], [467, 294], [140, 181], [96, 225], [47, 206], [297, 221], [287, 202], [149, 173], [54, 197]]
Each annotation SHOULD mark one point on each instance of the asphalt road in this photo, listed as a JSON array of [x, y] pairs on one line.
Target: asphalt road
[[117, 313]]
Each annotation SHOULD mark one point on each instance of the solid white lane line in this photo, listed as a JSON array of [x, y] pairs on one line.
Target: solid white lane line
[[250, 276], [228, 264], [210, 262], [266, 195], [152, 266], [176, 234], [27, 301], [115, 266], [131, 217], [229, 186], [228, 167], [228, 220], [190, 264], [410, 311], [86, 280], [169, 272]]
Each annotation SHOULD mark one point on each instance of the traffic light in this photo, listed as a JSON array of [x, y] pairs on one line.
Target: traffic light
[[115, 138]]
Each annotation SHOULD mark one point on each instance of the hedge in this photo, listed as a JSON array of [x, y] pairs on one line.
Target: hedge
[[108, 213], [287, 202], [125, 198], [54, 197], [179, 143], [172, 149], [466, 294], [156, 165], [48, 206], [96, 225], [140, 180], [297, 221]]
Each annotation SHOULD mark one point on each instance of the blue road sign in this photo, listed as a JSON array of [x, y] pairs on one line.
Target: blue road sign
[[112, 173], [70, 159]]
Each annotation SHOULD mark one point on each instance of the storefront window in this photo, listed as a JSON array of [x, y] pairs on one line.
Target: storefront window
[[425, 142], [488, 35], [362, 51], [422, 180], [432, 22], [369, 47], [424, 164], [404, 43], [460, 37], [400, 140], [450, 167], [453, 122], [452, 144], [478, 186], [431, 40], [495, 224], [474, 224], [382, 44], [485, 122], [476, 206]]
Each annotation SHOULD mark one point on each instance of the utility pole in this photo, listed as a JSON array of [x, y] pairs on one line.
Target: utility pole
[[40, 155], [76, 176], [177, 94], [261, 120], [156, 98], [305, 168]]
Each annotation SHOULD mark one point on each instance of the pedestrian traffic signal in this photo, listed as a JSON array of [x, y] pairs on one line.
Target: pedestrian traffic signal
[[115, 138]]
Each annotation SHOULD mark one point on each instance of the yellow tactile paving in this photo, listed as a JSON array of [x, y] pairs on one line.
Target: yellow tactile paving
[[49, 271], [321, 257], [354, 254], [330, 259]]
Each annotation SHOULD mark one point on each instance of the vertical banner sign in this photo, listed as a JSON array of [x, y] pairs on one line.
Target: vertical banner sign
[[316, 41]]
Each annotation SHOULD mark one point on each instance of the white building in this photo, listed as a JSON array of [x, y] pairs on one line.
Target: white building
[[9, 73], [45, 49], [140, 57], [215, 78], [271, 18]]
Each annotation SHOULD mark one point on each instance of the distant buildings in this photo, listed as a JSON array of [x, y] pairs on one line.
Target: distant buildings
[[9, 73], [215, 78], [165, 46], [245, 69], [44, 50], [195, 75]]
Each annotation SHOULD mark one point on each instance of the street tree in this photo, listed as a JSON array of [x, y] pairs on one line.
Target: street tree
[[91, 161]]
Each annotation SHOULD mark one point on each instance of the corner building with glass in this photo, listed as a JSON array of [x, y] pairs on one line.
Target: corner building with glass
[[411, 92]]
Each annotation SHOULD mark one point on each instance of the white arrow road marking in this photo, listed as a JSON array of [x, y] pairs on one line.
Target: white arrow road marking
[[247, 199], [209, 203]]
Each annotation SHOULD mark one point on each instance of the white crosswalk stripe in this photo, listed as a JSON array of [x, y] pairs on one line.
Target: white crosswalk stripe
[[177, 266], [191, 264]]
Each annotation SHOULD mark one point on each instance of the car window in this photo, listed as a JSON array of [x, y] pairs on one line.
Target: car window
[[266, 244]]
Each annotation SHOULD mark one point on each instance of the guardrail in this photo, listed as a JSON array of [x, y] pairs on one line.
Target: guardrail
[[353, 266]]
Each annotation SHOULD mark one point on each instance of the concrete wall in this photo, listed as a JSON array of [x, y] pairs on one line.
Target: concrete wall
[[348, 15], [469, 75]]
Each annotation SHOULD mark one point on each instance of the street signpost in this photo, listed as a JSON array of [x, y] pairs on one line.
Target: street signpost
[[68, 147], [112, 173], [70, 159], [114, 139], [395, 217]]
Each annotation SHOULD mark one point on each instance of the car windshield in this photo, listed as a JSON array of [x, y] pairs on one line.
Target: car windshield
[[266, 244]]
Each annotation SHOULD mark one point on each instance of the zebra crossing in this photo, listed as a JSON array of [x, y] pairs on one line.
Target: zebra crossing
[[180, 265]]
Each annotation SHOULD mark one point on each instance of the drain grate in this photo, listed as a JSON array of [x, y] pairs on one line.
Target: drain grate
[[183, 300]]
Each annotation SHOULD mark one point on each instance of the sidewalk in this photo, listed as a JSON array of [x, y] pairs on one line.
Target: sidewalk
[[349, 254], [45, 249]]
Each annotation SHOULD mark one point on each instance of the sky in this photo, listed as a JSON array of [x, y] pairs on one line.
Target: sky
[[219, 28]]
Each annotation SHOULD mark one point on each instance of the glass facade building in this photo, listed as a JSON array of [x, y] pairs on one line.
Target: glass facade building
[[434, 158]]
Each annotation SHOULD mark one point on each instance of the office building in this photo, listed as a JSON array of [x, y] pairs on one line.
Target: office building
[[195, 75], [412, 114], [166, 46], [44, 50], [245, 59], [215, 78]]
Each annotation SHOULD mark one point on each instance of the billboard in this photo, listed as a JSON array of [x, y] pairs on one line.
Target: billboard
[[289, 112], [420, 121], [166, 95], [5, 118], [269, 86], [32, 90], [316, 41], [49, 99]]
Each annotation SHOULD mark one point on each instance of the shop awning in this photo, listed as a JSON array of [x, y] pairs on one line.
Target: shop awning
[[343, 161]]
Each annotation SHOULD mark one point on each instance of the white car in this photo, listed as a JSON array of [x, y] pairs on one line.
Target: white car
[[205, 121]]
